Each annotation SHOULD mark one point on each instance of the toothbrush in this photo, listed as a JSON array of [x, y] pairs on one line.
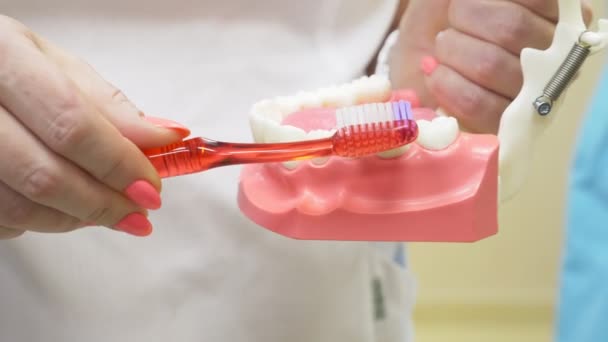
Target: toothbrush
[[361, 130]]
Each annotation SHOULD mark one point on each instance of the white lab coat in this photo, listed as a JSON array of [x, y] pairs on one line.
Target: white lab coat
[[207, 274]]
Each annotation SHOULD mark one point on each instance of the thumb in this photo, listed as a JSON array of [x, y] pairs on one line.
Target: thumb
[[144, 132]]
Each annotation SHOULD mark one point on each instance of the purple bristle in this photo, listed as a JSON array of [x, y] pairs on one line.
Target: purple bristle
[[402, 110], [396, 111]]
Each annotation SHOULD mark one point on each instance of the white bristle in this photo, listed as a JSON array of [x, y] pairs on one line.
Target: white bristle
[[366, 114], [361, 114], [383, 107]]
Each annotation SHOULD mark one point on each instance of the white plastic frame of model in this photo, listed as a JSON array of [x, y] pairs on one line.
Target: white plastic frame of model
[[547, 74]]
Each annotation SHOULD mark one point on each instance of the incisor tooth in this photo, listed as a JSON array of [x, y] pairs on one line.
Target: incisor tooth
[[267, 128], [288, 105], [373, 89], [287, 134], [320, 134], [437, 134], [268, 109], [308, 100]]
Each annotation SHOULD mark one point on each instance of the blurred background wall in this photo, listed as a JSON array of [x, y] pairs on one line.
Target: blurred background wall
[[504, 288]]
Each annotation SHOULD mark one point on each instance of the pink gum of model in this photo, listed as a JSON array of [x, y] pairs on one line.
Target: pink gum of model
[[431, 196]]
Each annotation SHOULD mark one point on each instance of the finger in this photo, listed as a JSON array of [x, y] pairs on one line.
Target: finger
[[49, 180], [587, 12], [503, 23], [19, 213], [6, 233], [52, 107], [113, 103], [477, 109], [547, 9], [482, 63]]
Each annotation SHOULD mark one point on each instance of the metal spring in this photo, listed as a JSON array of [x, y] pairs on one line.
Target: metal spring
[[562, 78]]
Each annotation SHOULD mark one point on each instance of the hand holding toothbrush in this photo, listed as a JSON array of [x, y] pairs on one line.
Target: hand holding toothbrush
[[70, 143], [466, 59]]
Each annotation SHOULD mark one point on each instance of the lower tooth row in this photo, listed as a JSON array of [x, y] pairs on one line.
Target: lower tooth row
[[433, 135]]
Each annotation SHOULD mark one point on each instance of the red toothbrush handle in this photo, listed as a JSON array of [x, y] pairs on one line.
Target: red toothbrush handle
[[200, 154], [180, 158]]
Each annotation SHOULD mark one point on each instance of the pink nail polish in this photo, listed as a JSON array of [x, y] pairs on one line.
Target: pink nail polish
[[144, 194], [135, 224], [428, 64], [182, 130]]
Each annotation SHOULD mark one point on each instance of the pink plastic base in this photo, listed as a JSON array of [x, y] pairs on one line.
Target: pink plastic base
[[424, 196]]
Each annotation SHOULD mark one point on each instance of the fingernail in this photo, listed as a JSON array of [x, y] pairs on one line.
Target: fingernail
[[180, 129], [144, 194], [428, 64], [135, 224]]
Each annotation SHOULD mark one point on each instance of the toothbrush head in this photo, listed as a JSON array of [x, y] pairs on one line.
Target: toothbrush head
[[373, 128]]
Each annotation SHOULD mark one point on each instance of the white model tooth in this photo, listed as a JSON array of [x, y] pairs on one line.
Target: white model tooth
[[257, 130], [394, 153], [336, 97], [267, 129], [437, 134], [268, 109], [287, 105], [309, 100], [441, 112], [285, 134], [319, 134], [320, 161], [372, 89], [291, 165]]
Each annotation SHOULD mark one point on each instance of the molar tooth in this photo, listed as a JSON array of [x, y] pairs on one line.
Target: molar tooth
[[394, 153], [320, 161], [437, 134], [291, 165], [335, 97]]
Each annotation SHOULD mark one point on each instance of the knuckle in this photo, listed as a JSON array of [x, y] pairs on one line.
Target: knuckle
[[41, 184], [489, 64], [512, 27], [113, 168], [121, 103], [101, 214], [471, 101], [119, 96], [67, 129]]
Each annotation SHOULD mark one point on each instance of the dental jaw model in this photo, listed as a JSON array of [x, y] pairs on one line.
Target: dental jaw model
[[445, 187], [547, 74]]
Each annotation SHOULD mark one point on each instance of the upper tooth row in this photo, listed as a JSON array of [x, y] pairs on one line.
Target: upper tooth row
[[366, 89]]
